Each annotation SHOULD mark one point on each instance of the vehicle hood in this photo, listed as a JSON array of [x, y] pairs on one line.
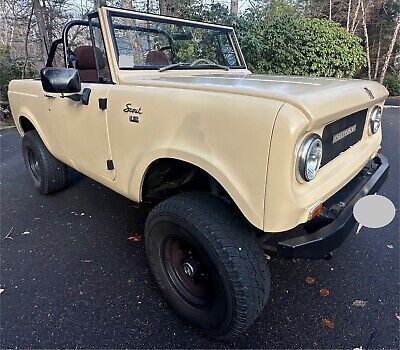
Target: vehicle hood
[[315, 97]]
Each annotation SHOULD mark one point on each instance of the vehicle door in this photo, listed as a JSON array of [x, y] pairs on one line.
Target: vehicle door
[[83, 128]]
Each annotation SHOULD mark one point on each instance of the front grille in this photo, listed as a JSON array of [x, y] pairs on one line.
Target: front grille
[[338, 136]]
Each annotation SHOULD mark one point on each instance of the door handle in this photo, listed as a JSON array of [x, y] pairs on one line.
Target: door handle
[[83, 97]]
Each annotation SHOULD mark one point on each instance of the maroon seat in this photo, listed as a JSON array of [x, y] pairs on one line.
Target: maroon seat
[[86, 63], [156, 58]]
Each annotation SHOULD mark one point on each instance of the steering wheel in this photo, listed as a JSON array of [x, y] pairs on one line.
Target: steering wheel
[[201, 60]]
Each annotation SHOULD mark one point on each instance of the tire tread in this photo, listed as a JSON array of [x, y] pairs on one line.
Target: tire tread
[[235, 242], [55, 174]]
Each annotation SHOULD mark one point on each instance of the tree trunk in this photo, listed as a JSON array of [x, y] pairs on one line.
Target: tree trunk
[[48, 22], [127, 4], [168, 7], [26, 44], [353, 26], [378, 53], [348, 16], [330, 10], [364, 21], [38, 10], [99, 3], [390, 51], [377, 59], [234, 7]]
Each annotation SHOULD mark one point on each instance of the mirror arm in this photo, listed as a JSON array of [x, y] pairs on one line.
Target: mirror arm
[[83, 97]]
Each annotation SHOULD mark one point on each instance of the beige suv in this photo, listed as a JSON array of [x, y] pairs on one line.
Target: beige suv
[[164, 111]]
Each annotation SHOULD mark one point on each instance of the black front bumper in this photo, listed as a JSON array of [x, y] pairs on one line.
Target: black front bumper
[[328, 230]]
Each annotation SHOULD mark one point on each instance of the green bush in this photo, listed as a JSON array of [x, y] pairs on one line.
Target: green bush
[[8, 71], [392, 83], [281, 43], [275, 40]]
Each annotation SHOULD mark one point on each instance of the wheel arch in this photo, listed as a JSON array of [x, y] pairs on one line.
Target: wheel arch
[[26, 122], [143, 171]]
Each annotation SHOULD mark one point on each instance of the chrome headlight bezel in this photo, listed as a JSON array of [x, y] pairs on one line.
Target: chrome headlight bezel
[[311, 146], [375, 119]]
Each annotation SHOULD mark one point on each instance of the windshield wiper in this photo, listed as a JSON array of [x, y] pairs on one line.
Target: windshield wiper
[[172, 66], [181, 64]]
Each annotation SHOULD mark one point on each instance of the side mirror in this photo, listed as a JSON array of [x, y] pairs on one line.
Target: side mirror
[[60, 80]]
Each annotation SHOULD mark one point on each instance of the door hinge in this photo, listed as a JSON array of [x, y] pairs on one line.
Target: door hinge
[[110, 164], [103, 103]]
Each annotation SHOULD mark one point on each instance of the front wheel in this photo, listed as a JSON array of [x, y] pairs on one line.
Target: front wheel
[[208, 263]]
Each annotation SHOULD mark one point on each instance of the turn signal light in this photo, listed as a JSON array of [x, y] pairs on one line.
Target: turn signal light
[[377, 152], [315, 212]]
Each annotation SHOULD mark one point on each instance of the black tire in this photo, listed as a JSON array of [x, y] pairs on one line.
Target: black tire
[[231, 281], [48, 174]]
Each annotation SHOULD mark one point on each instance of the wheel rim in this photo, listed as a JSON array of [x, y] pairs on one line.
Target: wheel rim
[[188, 271], [34, 164]]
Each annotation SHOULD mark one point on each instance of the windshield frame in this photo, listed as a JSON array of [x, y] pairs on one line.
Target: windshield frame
[[178, 21]]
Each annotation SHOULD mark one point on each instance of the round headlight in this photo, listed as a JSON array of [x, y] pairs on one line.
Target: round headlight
[[375, 119], [309, 157]]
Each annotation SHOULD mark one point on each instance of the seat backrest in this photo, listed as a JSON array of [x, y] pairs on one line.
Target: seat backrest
[[86, 63], [156, 57]]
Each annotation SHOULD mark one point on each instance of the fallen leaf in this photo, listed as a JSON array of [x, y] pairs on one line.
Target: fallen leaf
[[9, 234], [1, 290], [359, 303], [310, 280], [397, 314], [268, 257], [328, 323], [389, 246], [135, 237], [324, 292]]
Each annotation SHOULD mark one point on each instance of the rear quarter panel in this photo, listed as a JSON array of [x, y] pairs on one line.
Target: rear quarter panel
[[27, 100]]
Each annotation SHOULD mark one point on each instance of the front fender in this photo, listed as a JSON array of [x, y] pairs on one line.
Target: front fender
[[241, 194], [226, 135]]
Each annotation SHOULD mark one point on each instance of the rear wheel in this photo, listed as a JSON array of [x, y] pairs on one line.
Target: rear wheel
[[208, 263], [48, 174]]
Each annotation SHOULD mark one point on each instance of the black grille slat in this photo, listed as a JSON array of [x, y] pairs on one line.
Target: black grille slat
[[330, 149]]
